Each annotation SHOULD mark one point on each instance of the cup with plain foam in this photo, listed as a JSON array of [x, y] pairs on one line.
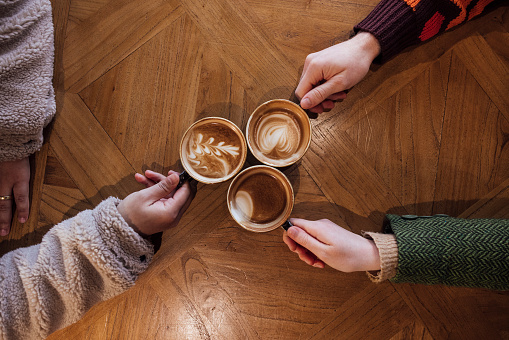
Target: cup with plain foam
[[260, 198], [278, 133], [212, 150]]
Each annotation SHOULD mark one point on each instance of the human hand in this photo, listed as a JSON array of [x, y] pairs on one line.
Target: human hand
[[327, 74], [319, 242], [14, 182], [159, 206]]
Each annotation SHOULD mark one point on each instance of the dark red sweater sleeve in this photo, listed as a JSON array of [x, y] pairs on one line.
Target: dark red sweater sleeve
[[398, 24]]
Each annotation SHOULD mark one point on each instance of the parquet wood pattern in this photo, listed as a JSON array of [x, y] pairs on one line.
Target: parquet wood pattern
[[425, 133]]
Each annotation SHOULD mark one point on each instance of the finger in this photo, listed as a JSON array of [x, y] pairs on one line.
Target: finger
[[155, 176], [21, 192], [327, 105], [306, 240], [143, 180], [337, 96], [289, 242], [311, 76], [318, 264], [182, 195], [185, 206], [317, 109], [5, 217], [304, 85], [308, 257], [312, 228], [162, 188], [320, 93], [303, 253]]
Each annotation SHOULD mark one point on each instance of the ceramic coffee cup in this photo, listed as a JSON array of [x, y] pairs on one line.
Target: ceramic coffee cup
[[278, 133], [212, 150], [260, 199]]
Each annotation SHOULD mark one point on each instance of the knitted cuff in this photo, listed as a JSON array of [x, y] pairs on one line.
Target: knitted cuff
[[388, 250], [393, 23]]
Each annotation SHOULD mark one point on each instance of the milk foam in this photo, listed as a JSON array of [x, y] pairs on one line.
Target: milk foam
[[278, 135], [211, 158], [243, 206]]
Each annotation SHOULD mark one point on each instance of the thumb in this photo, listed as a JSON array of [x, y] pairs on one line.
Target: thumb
[[319, 94], [306, 240], [163, 188]]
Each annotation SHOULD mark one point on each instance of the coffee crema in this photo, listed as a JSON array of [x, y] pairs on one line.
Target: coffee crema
[[278, 132], [213, 150], [260, 198]]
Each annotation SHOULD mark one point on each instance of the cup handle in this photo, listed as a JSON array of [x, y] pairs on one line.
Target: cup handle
[[183, 177], [287, 225]]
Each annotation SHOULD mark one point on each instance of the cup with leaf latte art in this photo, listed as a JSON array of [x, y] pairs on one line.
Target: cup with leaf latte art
[[213, 150], [278, 133]]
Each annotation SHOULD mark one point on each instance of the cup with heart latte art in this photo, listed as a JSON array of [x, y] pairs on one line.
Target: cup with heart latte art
[[260, 199], [212, 150], [278, 133]]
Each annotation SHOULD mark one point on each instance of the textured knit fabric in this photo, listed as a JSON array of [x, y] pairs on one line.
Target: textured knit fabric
[[81, 261], [398, 24], [388, 252], [452, 251], [27, 101]]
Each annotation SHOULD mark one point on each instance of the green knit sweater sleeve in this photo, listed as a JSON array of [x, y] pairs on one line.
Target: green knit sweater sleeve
[[451, 251]]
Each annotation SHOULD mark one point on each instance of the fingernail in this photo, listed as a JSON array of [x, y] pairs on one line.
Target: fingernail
[[3, 232], [305, 103], [22, 220]]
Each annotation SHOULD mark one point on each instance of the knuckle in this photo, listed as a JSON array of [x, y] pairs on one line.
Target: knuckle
[[164, 186], [310, 57], [21, 199], [339, 82], [314, 63], [320, 94], [303, 239], [5, 207]]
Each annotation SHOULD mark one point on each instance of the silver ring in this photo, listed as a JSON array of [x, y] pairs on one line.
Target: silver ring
[[5, 198]]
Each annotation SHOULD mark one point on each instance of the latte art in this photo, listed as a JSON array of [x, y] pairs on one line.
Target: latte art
[[213, 150], [278, 135], [210, 158]]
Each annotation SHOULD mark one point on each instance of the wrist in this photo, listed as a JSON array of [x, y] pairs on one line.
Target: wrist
[[372, 259], [369, 45], [122, 211]]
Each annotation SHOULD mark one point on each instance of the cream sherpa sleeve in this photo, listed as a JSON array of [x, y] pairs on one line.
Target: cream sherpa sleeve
[[81, 261], [27, 100]]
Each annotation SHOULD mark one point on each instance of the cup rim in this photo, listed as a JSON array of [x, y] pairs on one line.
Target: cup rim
[[307, 120], [201, 179], [286, 215]]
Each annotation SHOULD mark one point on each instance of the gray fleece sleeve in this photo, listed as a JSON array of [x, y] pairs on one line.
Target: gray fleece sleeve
[[81, 261], [27, 100]]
